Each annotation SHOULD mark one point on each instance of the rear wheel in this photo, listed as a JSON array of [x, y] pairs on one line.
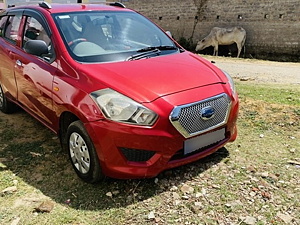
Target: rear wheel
[[5, 105], [82, 153]]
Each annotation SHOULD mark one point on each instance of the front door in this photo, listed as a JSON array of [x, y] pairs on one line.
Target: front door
[[34, 74]]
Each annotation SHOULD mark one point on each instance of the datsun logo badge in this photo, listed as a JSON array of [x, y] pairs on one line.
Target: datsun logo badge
[[207, 113]]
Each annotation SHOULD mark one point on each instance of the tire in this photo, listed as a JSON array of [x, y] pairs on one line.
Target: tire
[[82, 154], [5, 105]]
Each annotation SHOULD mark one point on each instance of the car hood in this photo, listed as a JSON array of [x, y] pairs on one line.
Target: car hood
[[145, 80]]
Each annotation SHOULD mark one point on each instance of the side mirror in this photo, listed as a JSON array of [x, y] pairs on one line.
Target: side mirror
[[36, 47], [169, 33]]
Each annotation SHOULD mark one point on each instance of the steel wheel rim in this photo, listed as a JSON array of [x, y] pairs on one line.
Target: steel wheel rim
[[79, 153], [1, 97]]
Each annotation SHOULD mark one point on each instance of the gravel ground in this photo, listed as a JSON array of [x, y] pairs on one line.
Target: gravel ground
[[259, 70]]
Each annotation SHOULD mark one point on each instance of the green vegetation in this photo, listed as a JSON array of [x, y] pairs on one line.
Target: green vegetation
[[254, 179], [187, 44], [271, 93]]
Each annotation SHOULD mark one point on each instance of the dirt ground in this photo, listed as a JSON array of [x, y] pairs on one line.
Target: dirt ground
[[259, 70]]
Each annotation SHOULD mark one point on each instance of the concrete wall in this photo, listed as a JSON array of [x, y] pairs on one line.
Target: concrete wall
[[272, 27]]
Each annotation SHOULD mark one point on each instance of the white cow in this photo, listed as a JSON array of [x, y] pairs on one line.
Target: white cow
[[223, 36]]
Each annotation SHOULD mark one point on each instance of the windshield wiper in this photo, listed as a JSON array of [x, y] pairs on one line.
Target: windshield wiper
[[145, 53], [171, 47], [161, 47], [167, 47], [148, 51]]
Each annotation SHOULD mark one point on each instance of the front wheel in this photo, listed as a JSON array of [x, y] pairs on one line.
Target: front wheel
[[82, 153], [5, 105]]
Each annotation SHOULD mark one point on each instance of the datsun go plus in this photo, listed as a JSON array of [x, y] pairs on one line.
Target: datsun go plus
[[124, 98]]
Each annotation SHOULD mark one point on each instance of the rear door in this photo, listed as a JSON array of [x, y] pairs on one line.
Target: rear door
[[9, 45]]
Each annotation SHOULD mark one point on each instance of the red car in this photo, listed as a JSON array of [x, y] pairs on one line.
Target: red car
[[124, 98]]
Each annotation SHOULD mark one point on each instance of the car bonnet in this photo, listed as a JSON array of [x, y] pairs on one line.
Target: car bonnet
[[145, 80]]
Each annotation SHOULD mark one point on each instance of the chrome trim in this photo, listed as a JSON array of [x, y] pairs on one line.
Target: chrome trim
[[175, 115]]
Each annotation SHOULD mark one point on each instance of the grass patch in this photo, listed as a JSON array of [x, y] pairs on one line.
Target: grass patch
[[270, 93], [269, 107], [251, 177]]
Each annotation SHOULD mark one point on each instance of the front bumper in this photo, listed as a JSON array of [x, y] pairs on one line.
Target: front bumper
[[127, 151]]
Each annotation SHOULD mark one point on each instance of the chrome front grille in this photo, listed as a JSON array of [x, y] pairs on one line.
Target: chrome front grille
[[200, 117]]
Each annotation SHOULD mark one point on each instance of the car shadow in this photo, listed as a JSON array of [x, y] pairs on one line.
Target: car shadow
[[34, 155]]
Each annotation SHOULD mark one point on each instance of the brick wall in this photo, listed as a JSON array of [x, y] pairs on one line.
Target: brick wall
[[273, 26]]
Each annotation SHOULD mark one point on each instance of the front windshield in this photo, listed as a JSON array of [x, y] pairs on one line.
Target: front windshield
[[106, 36]]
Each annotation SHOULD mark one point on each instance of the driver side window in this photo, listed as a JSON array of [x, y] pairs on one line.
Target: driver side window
[[35, 31]]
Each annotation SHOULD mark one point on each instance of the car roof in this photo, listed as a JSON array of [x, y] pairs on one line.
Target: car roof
[[61, 8]]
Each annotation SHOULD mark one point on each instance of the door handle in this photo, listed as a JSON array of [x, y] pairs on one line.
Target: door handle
[[18, 63]]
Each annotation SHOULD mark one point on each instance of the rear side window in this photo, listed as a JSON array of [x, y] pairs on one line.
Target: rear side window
[[2, 24], [12, 28]]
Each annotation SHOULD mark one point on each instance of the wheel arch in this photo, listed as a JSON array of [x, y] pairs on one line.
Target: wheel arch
[[66, 118]]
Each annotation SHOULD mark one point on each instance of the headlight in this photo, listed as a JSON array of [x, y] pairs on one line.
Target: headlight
[[230, 81], [120, 108]]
